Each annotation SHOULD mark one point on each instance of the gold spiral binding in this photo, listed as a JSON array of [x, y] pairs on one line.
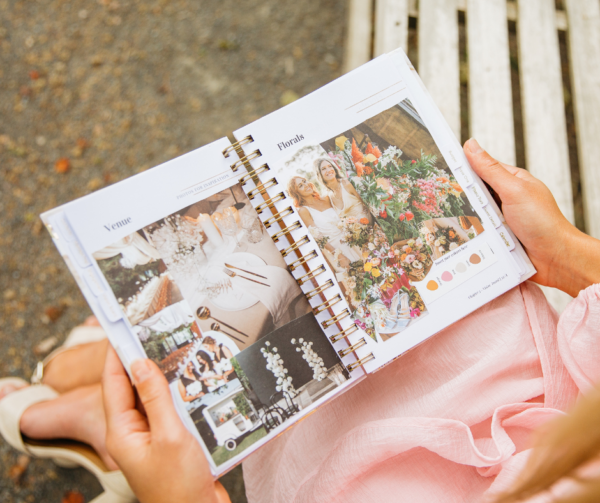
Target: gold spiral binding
[[344, 333], [237, 144], [349, 349], [297, 263], [327, 304], [261, 169], [319, 289], [336, 318], [252, 173], [311, 274], [247, 158], [302, 241], [286, 230], [278, 217], [272, 200], [353, 366], [260, 187]]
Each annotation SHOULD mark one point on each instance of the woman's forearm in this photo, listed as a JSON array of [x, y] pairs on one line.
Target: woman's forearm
[[580, 266]]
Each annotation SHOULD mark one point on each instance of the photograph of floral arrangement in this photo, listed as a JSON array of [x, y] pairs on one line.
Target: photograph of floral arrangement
[[401, 189], [382, 204]]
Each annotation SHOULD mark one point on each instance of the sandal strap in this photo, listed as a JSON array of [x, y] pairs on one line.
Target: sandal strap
[[14, 405]]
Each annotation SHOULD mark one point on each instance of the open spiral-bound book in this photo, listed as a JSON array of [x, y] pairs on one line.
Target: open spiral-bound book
[[267, 276]]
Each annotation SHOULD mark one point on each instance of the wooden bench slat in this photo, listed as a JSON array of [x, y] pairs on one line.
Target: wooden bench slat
[[358, 39], [490, 95], [546, 144], [391, 26], [584, 43], [438, 56]]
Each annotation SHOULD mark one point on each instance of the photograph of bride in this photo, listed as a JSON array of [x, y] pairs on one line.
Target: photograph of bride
[[382, 204]]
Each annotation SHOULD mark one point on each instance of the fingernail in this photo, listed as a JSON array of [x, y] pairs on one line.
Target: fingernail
[[474, 146], [141, 370]]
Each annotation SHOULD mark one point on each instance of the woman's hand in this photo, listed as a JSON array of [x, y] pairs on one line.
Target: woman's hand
[[564, 257], [160, 458]]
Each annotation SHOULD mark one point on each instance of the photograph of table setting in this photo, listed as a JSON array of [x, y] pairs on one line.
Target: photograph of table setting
[[227, 267]]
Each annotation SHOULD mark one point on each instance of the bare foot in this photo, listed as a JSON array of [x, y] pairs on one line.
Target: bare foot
[[76, 415], [79, 366], [91, 321]]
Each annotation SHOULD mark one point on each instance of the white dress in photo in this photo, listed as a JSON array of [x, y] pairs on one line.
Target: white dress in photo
[[352, 206], [326, 224]]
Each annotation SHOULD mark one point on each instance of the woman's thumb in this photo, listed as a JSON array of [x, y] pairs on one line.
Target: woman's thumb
[[489, 169], [154, 393]]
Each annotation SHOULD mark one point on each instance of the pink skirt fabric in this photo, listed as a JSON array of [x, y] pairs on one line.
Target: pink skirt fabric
[[448, 422]]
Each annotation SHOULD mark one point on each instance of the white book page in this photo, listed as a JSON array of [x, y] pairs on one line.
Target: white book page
[[412, 238]]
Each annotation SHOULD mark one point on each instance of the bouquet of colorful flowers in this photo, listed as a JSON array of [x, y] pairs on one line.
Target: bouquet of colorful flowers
[[356, 232], [399, 193], [375, 280], [444, 239], [415, 257]]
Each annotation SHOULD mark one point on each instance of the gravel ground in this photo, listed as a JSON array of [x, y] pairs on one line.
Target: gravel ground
[[94, 92]]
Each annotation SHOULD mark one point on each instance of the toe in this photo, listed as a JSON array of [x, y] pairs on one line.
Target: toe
[[91, 321]]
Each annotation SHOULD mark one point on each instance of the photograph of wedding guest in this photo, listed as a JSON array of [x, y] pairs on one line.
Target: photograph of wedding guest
[[322, 220], [221, 356], [210, 375], [343, 196], [190, 384]]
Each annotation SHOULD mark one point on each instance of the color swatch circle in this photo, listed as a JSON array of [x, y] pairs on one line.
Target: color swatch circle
[[461, 267], [432, 285], [447, 276], [475, 259]]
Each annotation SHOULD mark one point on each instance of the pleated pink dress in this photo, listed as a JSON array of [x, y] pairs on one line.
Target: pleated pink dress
[[450, 421]]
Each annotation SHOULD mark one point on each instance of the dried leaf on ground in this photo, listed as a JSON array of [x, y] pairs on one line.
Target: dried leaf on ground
[[54, 312], [18, 469], [62, 165], [73, 497]]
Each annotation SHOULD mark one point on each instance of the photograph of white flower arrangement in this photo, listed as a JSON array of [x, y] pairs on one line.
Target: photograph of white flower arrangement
[[288, 371]]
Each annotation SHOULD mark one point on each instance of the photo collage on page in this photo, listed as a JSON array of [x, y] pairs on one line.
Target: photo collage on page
[[383, 206], [213, 303]]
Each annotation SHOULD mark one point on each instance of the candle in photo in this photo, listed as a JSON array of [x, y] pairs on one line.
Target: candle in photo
[[210, 229]]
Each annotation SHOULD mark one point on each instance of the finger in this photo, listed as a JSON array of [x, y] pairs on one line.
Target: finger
[[221, 492], [153, 390], [117, 392], [489, 169]]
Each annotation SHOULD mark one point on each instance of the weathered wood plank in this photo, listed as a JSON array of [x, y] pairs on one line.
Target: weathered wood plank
[[438, 56], [490, 95], [358, 38], [391, 26], [584, 44], [546, 144]]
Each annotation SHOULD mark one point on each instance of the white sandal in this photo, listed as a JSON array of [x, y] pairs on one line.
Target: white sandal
[[79, 336], [65, 453]]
